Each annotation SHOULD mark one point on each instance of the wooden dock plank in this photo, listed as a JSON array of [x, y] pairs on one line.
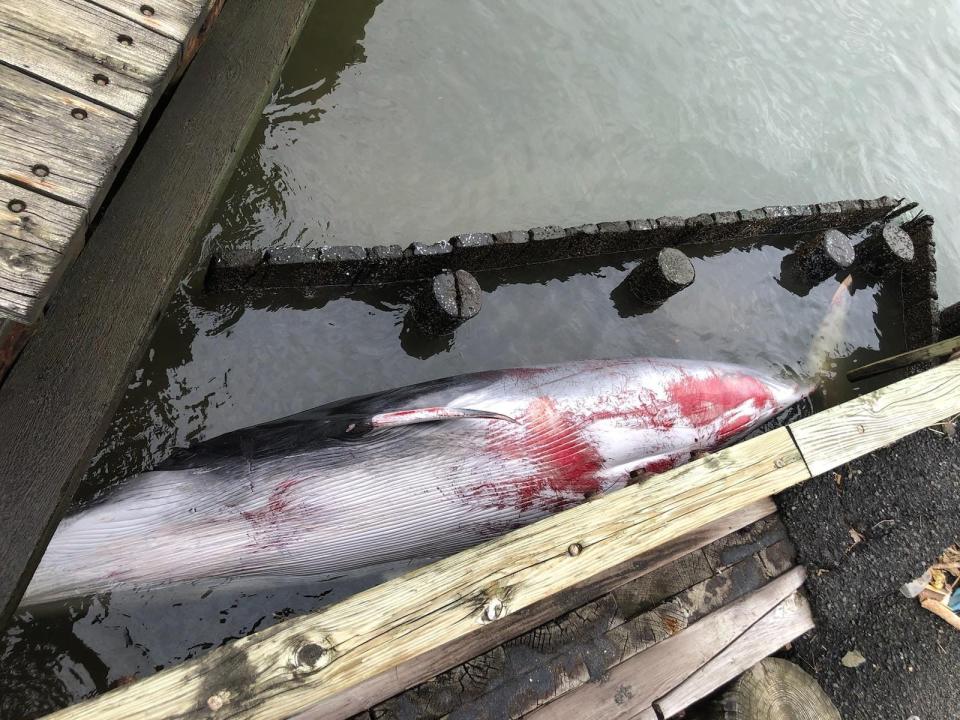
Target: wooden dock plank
[[90, 51], [178, 20], [784, 623], [38, 238], [636, 683], [57, 143], [845, 432], [60, 395], [941, 349]]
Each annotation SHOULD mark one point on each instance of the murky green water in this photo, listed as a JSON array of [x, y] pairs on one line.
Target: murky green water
[[413, 121]]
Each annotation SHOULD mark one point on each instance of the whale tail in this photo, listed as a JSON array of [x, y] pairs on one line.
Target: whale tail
[[829, 334]]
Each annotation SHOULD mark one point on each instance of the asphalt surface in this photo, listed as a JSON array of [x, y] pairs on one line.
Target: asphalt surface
[[904, 502]]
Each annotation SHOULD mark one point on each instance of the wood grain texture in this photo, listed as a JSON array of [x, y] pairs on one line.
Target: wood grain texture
[[176, 19], [370, 634], [79, 156], [60, 395], [941, 349], [784, 623], [70, 42], [36, 245], [567, 617], [635, 684], [845, 432]]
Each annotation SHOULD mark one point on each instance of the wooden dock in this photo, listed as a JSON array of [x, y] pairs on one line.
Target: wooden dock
[[78, 82]]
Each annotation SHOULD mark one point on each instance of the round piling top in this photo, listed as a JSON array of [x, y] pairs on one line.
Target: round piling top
[[898, 242], [675, 267], [838, 247], [457, 294]]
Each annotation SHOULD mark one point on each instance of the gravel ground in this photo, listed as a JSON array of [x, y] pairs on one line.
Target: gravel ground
[[904, 501]]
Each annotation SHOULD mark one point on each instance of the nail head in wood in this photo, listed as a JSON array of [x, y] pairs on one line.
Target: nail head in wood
[[147, 10], [659, 276], [101, 79], [79, 114], [40, 170], [886, 250], [447, 302], [125, 40], [575, 549], [17, 206], [826, 254]]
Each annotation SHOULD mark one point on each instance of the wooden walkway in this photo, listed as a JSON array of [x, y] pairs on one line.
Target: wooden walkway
[[78, 80]]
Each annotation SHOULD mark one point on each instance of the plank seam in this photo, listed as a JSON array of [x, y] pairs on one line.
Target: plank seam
[[796, 444], [40, 191]]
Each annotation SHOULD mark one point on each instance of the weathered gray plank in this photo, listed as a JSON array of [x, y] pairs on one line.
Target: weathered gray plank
[[59, 396], [941, 349], [635, 684], [176, 19], [39, 236], [787, 621], [845, 432], [58, 143], [90, 51]]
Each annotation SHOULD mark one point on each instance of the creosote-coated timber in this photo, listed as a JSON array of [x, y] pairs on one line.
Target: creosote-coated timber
[[340, 660]]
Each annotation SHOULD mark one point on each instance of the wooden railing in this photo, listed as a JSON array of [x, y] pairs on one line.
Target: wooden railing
[[340, 660]]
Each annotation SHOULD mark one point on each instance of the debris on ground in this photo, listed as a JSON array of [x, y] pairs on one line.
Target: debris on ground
[[937, 588]]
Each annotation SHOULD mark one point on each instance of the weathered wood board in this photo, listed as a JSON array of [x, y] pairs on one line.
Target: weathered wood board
[[941, 349], [638, 682], [90, 51], [58, 143], [38, 237], [845, 432], [787, 621], [60, 395], [178, 20]]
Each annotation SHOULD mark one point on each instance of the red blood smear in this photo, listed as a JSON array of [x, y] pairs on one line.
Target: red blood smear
[[704, 400], [268, 518], [659, 466], [565, 463]]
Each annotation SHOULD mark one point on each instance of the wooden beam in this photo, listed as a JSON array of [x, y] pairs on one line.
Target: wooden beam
[[784, 623], [39, 237], [942, 349], [58, 399], [635, 684], [845, 432]]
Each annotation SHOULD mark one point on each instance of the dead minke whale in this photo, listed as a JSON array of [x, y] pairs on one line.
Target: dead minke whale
[[419, 471]]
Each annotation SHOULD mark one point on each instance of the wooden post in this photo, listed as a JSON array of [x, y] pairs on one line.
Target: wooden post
[[825, 255], [886, 251], [449, 300], [659, 276]]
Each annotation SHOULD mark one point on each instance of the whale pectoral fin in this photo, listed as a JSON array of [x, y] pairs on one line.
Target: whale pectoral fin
[[398, 418]]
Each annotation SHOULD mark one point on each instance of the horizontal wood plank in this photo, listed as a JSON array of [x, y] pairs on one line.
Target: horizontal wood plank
[[941, 349], [845, 432], [176, 19], [90, 51], [57, 143], [636, 683], [784, 623], [370, 634], [39, 236]]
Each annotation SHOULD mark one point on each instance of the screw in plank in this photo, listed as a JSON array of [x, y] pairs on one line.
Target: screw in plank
[[101, 79], [574, 549], [147, 10], [16, 206], [79, 113], [780, 462], [125, 40], [40, 170]]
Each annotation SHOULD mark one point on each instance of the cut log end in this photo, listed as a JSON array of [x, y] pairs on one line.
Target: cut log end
[[828, 253], [774, 689], [658, 277], [447, 302], [886, 252]]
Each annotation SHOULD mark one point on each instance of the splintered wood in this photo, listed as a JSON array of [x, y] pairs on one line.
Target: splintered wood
[[78, 80]]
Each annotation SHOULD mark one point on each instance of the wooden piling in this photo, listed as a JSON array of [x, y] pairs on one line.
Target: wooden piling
[[659, 276], [826, 254], [886, 251], [448, 301]]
